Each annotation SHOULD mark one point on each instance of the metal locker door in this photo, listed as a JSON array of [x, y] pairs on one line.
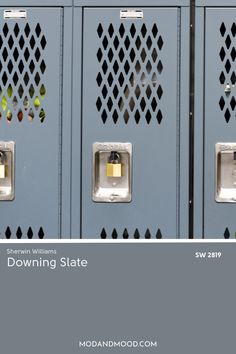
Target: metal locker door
[[130, 95], [220, 123], [30, 116]]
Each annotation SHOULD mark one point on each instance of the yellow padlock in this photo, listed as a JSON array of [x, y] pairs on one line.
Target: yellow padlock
[[114, 170]]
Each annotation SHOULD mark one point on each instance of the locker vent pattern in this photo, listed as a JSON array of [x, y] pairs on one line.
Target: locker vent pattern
[[226, 234], [129, 79], [126, 235], [22, 68], [227, 76], [9, 233]]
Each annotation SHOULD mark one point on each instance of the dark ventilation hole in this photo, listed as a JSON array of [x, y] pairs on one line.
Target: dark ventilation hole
[[26, 79], [122, 30], [125, 234], [99, 79], [126, 67], [5, 78], [233, 78], [233, 29], [136, 234], [41, 233], [138, 42], [222, 54], [115, 67], [16, 54], [103, 234], [131, 104], [105, 42], [116, 42], [99, 104], [233, 54], [115, 116], [109, 104], [37, 54], [137, 67], [149, 67], [26, 54], [43, 66], [148, 234], [27, 30], [121, 79], [111, 30], [1, 42], [159, 92], [222, 78], [159, 116], [43, 42], [132, 30], [228, 42], [154, 30], [159, 234], [38, 30], [21, 66], [104, 91], [143, 30], [159, 67], [0, 66], [114, 234], [226, 234], [227, 66], [160, 43], [222, 103], [127, 43], [6, 30], [32, 42], [19, 233], [154, 55], [110, 55], [121, 55], [21, 91], [110, 79], [148, 116], [20, 116], [37, 79], [30, 233], [137, 92], [222, 29], [227, 115], [10, 42], [137, 116], [104, 67], [233, 103], [104, 116], [21, 42], [154, 104], [115, 91], [126, 116], [143, 55], [148, 92], [132, 55], [100, 30], [143, 104], [5, 54], [149, 42], [8, 233]]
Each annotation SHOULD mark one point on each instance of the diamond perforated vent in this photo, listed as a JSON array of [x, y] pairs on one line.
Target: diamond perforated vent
[[136, 234], [227, 78], [22, 68], [20, 233], [129, 78]]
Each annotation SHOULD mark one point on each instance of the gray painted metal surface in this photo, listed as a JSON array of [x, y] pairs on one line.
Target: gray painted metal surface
[[132, 3], [218, 117], [31, 73], [33, 3], [156, 146], [221, 3]]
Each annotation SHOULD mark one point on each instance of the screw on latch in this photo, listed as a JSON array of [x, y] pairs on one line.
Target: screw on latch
[[227, 89], [114, 157]]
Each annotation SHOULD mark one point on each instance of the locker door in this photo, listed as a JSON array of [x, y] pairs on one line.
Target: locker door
[[30, 56], [130, 95], [220, 122]]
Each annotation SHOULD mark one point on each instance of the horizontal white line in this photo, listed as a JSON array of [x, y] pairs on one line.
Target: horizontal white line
[[94, 241]]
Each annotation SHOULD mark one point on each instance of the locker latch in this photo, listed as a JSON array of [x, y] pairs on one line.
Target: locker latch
[[112, 172], [7, 170]]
